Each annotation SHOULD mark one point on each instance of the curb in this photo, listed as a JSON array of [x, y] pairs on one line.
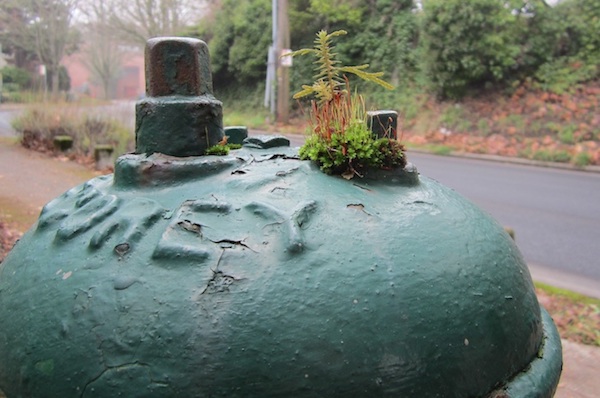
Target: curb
[[519, 161], [489, 158]]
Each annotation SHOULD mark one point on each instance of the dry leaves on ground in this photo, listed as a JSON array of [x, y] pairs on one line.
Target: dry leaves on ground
[[576, 317], [8, 237]]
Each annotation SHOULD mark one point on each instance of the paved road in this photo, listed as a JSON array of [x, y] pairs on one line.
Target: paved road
[[6, 116], [555, 213]]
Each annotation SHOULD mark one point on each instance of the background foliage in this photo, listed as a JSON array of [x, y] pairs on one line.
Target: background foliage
[[507, 77], [449, 47]]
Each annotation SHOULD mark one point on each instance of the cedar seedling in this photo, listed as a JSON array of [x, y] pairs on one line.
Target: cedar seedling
[[341, 141], [330, 79]]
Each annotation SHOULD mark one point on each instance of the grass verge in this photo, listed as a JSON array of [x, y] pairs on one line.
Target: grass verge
[[576, 316]]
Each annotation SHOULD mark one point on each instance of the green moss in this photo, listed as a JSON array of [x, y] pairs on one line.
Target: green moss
[[341, 141], [217, 150], [353, 151], [45, 367]]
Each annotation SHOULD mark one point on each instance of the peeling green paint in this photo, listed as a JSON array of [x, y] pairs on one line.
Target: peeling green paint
[[262, 276]]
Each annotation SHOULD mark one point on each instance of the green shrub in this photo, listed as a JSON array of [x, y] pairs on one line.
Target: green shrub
[[576, 58], [546, 155], [581, 24], [565, 74], [236, 34], [15, 78], [483, 125], [467, 43], [582, 159], [567, 134]]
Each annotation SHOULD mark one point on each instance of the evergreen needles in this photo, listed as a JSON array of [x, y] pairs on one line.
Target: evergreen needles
[[340, 140], [329, 78]]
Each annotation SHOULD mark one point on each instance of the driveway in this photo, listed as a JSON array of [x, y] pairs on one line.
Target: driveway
[[28, 180]]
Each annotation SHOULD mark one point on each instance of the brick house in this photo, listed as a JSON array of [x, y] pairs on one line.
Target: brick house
[[130, 83]]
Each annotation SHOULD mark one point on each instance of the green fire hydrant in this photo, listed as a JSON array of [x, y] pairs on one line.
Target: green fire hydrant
[[256, 275]]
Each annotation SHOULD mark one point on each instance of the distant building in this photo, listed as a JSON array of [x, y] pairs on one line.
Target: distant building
[[130, 83]]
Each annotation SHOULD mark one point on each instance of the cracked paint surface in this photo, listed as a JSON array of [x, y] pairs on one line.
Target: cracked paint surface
[[255, 274]]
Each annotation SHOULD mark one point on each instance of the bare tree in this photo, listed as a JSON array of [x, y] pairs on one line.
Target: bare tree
[[43, 27], [139, 20], [102, 49]]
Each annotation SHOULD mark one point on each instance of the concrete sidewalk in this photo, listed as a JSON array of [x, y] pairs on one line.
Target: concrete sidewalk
[[581, 371], [28, 180]]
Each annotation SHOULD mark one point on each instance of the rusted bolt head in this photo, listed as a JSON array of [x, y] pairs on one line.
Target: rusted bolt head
[[177, 66]]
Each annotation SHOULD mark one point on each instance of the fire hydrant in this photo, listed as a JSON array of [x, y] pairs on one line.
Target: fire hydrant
[[254, 274]]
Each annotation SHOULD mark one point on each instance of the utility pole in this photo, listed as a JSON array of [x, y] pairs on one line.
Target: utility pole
[[283, 72], [2, 65], [271, 83]]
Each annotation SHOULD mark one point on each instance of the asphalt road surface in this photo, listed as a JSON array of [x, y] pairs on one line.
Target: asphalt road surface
[[555, 213], [6, 116]]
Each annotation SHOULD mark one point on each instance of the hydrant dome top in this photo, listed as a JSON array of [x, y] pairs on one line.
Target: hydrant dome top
[[255, 274]]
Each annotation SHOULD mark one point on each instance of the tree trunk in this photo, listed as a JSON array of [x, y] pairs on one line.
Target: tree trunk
[[106, 88], [55, 81]]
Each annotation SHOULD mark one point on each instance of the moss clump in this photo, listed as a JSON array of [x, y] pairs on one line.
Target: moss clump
[[340, 140]]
